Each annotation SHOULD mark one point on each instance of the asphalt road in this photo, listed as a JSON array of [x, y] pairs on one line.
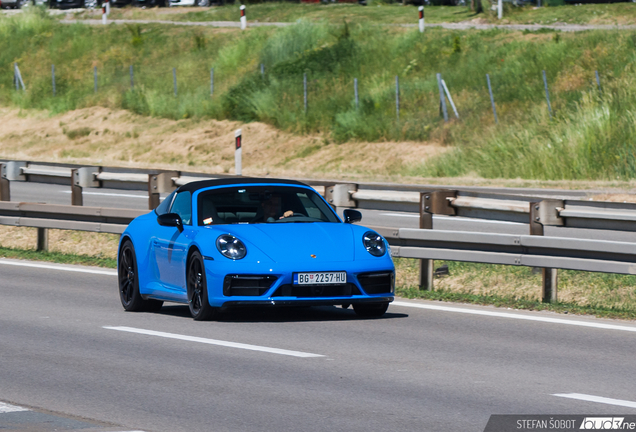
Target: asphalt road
[[67, 346]]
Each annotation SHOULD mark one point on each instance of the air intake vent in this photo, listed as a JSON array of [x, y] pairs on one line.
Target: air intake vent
[[247, 285], [377, 283], [317, 291]]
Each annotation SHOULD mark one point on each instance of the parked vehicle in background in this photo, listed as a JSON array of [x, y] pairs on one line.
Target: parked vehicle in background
[[202, 3], [13, 4], [69, 4], [146, 3]]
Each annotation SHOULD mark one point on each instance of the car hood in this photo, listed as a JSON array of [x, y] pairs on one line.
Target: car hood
[[299, 242]]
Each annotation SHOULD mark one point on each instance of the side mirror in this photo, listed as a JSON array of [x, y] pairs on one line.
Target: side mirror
[[170, 220], [351, 216]]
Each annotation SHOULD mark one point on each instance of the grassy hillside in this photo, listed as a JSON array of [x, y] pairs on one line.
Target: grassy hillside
[[590, 135]]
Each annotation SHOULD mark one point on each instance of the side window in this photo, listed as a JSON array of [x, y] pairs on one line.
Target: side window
[[165, 205], [182, 206]]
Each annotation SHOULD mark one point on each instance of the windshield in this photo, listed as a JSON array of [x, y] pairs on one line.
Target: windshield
[[262, 204]]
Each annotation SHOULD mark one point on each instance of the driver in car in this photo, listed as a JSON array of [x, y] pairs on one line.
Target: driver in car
[[272, 209]]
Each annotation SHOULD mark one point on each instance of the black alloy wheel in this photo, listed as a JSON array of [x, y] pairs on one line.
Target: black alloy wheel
[[200, 308], [370, 310], [129, 294]]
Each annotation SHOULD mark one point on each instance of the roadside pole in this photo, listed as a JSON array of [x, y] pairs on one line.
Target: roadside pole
[[53, 79], [442, 99], [492, 99], [547, 94], [397, 98], [238, 141]]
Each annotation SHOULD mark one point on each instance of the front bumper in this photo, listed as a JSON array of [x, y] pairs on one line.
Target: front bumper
[[276, 288], [306, 302]]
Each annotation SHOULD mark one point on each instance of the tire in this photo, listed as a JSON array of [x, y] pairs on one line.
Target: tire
[[370, 310], [128, 277], [200, 308]]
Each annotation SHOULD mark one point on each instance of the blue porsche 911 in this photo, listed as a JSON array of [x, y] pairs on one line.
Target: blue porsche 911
[[238, 242]]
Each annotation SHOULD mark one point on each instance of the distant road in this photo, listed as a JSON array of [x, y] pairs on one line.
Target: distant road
[[451, 26]]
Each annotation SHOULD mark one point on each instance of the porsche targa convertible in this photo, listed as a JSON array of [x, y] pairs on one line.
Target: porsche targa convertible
[[238, 242]]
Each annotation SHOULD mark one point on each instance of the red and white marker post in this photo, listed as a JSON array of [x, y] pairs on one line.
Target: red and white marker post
[[421, 9], [238, 139], [243, 18], [104, 14]]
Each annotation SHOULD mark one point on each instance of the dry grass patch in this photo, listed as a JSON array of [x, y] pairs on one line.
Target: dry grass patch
[[104, 136], [99, 245]]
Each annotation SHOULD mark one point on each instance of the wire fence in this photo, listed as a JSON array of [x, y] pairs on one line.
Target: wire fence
[[185, 82]]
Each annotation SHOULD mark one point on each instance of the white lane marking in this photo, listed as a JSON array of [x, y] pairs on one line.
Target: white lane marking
[[517, 316], [110, 194], [400, 215], [215, 342], [599, 399], [58, 267], [471, 220], [452, 218], [7, 408]]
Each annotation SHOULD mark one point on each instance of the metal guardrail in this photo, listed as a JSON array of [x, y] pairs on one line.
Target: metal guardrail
[[381, 196], [509, 249], [547, 253], [52, 216], [546, 210], [76, 218]]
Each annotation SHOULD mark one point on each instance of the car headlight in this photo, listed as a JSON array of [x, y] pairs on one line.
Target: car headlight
[[374, 243], [230, 247]]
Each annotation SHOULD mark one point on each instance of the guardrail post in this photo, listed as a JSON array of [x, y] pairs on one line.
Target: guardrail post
[[160, 183], [546, 213], [5, 189], [431, 203], [14, 171], [81, 178], [76, 189], [340, 195], [43, 239], [153, 194], [427, 269]]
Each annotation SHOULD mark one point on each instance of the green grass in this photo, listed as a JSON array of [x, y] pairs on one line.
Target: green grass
[[590, 135], [57, 257], [584, 293], [391, 13]]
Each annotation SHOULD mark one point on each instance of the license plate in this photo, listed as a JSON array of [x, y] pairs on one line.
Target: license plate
[[320, 278]]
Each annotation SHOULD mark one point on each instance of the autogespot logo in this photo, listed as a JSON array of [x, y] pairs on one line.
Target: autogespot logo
[[606, 423]]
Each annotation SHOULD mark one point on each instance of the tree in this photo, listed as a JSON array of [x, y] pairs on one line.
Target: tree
[[476, 6]]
